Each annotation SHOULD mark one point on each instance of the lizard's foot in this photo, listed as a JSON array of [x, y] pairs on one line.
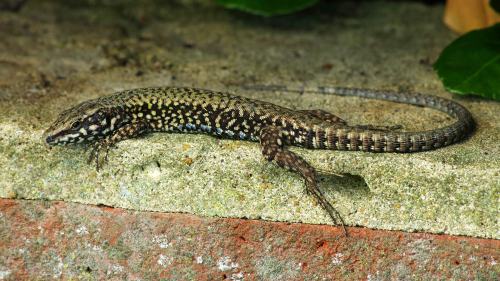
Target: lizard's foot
[[271, 140], [94, 155]]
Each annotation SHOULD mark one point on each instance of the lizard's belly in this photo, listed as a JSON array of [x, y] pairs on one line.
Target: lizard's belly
[[241, 133]]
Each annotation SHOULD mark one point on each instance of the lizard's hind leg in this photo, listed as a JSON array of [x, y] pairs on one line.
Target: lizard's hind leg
[[325, 116], [378, 128], [335, 120], [272, 145]]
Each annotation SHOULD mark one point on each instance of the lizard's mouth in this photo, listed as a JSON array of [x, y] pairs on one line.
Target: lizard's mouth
[[51, 137], [48, 137]]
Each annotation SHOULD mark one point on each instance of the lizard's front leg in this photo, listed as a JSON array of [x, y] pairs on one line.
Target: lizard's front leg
[[127, 131], [272, 144]]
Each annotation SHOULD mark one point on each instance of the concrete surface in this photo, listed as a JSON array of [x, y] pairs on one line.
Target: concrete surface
[[54, 55], [58, 240]]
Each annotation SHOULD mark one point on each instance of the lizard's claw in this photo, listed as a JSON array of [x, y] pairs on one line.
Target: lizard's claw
[[94, 155]]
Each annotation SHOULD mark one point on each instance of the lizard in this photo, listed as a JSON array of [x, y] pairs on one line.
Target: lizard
[[107, 120]]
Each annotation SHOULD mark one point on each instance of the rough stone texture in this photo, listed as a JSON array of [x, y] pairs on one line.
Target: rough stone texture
[[54, 55], [57, 240]]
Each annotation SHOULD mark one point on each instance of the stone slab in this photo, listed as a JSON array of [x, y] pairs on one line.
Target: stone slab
[[55, 54]]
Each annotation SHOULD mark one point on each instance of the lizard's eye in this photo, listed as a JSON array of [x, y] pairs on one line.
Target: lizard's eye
[[76, 125]]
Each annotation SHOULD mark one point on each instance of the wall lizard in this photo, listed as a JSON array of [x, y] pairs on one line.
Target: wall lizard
[[107, 120]]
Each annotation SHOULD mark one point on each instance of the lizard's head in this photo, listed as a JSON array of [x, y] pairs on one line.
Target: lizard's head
[[84, 122]]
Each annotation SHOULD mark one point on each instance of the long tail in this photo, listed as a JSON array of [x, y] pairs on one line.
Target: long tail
[[352, 138]]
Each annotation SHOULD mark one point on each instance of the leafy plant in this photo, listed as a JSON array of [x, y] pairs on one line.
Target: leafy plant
[[495, 4], [267, 7], [471, 64]]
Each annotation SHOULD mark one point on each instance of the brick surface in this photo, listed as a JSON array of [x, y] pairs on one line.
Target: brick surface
[[46, 240]]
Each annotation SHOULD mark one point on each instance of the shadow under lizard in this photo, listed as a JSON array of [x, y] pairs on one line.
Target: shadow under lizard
[[107, 120]]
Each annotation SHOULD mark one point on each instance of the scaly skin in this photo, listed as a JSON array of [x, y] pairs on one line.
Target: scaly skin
[[108, 120]]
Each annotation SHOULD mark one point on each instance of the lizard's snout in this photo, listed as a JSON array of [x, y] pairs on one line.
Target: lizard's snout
[[49, 139]]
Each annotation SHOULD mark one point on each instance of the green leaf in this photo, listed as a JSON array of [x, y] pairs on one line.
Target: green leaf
[[495, 4], [471, 64], [267, 7]]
